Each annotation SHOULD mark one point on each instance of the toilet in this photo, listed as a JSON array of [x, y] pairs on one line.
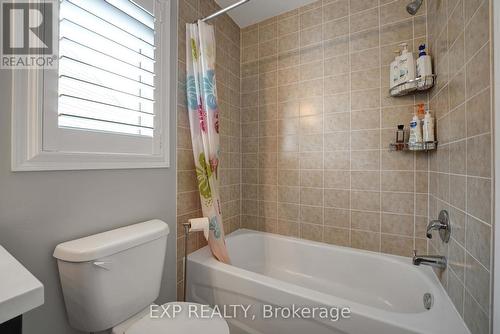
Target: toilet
[[110, 281]]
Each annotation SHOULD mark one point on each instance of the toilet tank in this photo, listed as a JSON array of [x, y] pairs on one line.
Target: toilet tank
[[108, 277]]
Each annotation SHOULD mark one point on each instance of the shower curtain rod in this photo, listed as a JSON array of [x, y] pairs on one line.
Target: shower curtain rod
[[223, 10]]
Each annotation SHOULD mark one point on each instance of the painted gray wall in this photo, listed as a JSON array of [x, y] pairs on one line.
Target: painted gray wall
[[38, 210]]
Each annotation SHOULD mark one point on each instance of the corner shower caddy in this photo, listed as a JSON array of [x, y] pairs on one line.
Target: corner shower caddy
[[418, 147], [421, 84]]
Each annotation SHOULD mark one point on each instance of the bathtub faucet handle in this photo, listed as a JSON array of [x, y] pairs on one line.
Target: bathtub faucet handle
[[442, 224], [434, 225]]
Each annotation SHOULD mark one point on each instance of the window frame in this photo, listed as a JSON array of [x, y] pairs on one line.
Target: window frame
[[30, 97]]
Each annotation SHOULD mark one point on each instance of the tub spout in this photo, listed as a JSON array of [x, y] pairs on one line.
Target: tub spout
[[436, 261]]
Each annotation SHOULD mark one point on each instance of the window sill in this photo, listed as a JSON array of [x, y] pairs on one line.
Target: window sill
[[46, 161]]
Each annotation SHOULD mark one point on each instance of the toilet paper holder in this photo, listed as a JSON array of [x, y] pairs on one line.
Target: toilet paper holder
[[193, 225]]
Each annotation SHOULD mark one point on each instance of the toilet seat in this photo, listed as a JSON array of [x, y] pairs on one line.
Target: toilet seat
[[142, 323]]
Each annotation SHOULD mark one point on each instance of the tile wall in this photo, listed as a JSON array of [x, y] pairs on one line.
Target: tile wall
[[306, 154], [227, 35], [317, 121], [461, 169]]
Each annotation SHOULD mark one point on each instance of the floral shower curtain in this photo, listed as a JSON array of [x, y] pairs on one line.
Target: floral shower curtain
[[204, 122]]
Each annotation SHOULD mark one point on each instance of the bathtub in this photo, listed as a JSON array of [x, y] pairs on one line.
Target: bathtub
[[384, 293]]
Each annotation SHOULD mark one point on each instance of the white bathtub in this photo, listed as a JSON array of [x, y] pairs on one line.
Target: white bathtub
[[384, 292]]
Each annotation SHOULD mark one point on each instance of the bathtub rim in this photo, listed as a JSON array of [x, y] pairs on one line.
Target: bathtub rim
[[442, 301]]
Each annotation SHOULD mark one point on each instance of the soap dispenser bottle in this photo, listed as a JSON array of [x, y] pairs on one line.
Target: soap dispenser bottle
[[407, 68], [428, 128], [394, 73]]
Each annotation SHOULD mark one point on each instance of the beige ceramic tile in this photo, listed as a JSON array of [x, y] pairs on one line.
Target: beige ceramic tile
[[479, 156], [478, 72], [479, 198], [311, 232], [288, 25], [365, 180], [365, 20], [364, 200], [478, 112], [478, 240], [364, 220], [397, 245], [477, 282], [337, 198], [336, 10], [359, 5], [477, 31], [336, 28], [365, 240], [336, 217], [336, 236], [475, 318]]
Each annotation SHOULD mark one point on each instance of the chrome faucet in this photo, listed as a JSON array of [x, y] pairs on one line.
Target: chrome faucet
[[436, 261], [434, 225], [442, 224]]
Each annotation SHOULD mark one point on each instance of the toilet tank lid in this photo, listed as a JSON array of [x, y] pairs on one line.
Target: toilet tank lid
[[111, 242]]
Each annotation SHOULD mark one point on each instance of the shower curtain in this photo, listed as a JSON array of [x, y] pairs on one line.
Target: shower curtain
[[204, 123]]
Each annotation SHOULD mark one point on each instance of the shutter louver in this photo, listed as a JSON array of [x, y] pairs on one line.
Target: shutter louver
[[106, 67]]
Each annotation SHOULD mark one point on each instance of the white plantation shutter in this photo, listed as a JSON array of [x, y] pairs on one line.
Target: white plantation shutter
[[106, 78], [107, 104]]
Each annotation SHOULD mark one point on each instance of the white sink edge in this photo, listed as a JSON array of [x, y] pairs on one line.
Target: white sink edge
[[29, 291]]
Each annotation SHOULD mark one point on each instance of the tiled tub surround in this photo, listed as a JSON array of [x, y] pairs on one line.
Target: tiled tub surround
[[227, 35], [461, 169], [317, 121]]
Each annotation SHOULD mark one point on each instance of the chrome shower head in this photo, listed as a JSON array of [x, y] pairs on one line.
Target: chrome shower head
[[414, 6]]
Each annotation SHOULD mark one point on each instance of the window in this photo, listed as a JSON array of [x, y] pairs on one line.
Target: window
[[106, 105]]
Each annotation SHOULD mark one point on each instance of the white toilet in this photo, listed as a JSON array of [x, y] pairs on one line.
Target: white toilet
[[109, 280]]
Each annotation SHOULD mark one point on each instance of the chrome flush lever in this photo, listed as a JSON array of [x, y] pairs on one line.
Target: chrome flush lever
[[442, 224], [102, 264]]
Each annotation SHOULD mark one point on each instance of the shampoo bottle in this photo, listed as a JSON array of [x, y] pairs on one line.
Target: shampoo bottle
[[424, 67], [429, 127], [415, 132], [407, 68]]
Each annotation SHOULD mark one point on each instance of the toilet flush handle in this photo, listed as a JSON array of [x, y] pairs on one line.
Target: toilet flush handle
[[103, 264]]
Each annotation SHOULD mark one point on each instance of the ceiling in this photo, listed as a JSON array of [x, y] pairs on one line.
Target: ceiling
[[255, 11]]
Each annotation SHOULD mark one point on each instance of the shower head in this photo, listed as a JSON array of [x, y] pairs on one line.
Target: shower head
[[414, 6]]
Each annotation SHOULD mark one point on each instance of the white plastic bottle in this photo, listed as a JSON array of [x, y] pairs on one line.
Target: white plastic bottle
[[415, 132], [424, 67], [394, 73], [407, 68], [428, 127]]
